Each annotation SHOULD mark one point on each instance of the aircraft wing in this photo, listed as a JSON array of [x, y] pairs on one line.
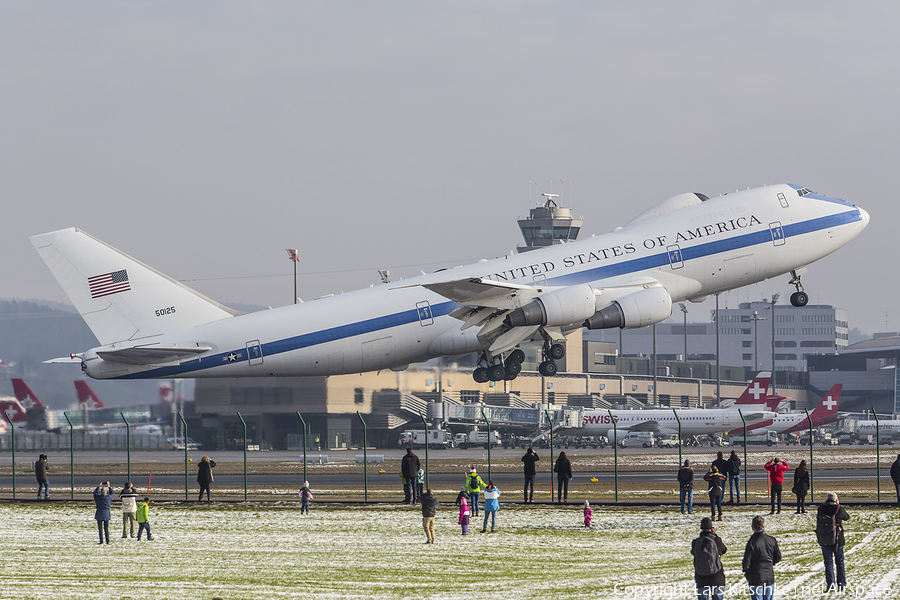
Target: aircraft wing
[[648, 425], [150, 355], [480, 292]]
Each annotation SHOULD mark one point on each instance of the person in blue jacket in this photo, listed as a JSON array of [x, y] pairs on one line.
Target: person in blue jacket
[[103, 497], [491, 506]]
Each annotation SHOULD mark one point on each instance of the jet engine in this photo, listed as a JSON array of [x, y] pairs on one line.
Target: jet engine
[[562, 307], [639, 309]]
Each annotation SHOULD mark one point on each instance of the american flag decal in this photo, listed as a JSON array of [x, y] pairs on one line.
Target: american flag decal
[[109, 283]]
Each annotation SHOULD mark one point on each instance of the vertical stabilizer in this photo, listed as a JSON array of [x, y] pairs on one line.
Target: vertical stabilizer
[[119, 297], [86, 396], [25, 396]]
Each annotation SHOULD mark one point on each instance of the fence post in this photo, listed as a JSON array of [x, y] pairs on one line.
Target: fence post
[[550, 419], [366, 458], [71, 454], [127, 442], [13, 433], [415, 481], [677, 418], [877, 453], [746, 477], [615, 451], [812, 477], [488, 421], [244, 423], [304, 444], [183, 443]]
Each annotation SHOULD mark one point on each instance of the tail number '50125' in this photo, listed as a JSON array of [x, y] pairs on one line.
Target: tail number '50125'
[[161, 312]]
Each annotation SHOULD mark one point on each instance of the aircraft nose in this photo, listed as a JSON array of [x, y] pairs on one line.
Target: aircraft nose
[[865, 217]]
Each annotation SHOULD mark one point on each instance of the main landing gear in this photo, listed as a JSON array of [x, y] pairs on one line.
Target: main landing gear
[[497, 369], [798, 298]]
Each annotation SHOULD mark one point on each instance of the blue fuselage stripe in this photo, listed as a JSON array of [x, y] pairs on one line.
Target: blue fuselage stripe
[[439, 310]]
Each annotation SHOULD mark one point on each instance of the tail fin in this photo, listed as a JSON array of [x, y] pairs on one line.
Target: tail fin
[[25, 395], [119, 297], [828, 407], [756, 391], [14, 410], [86, 396]]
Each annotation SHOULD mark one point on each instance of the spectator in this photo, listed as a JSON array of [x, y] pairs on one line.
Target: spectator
[[801, 486], [204, 478], [429, 509], [686, 483], [103, 497], [776, 468], [895, 476], [41, 470], [420, 482], [143, 518], [529, 459], [563, 470], [588, 513], [491, 506], [474, 483], [305, 496], [464, 514], [709, 574], [128, 496], [409, 469], [734, 477], [721, 466], [716, 489], [462, 495], [760, 557], [830, 535]]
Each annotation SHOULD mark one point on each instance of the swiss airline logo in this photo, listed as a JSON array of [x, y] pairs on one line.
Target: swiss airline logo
[[24, 394], [599, 420], [13, 410]]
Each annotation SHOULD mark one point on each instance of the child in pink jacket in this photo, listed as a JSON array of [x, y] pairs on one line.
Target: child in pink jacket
[[464, 514], [588, 513]]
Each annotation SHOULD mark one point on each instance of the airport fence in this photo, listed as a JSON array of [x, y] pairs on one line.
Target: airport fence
[[602, 472]]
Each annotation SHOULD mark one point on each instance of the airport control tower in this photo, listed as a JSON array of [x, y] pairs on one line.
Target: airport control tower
[[548, 225]]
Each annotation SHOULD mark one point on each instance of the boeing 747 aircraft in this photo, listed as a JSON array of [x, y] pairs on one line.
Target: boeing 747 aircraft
[[684, 248]]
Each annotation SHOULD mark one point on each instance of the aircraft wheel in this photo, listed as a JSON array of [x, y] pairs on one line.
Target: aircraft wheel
[[516, 355], [799, 299], [480, 375], [513, 368], [547, 368], [557, 351], [496, 373]]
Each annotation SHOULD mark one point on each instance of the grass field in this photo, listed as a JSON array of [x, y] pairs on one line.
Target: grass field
[[50, 551]]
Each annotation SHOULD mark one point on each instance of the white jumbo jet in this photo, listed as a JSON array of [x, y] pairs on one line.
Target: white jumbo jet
[[684, 248]]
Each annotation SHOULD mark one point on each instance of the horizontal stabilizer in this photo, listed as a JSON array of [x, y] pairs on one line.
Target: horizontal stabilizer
[[63, 360], [151, 355]]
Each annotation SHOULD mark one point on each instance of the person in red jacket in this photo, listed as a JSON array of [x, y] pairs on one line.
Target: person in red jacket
[[776, 468]]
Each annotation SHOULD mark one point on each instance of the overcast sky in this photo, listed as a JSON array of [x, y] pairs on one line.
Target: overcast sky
[[205, 138]]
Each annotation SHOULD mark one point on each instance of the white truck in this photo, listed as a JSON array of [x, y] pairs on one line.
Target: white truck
[[437, 439], [477, 438], [639, 439]]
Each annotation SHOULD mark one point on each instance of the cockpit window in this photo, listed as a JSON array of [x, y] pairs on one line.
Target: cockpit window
[[804, 191]]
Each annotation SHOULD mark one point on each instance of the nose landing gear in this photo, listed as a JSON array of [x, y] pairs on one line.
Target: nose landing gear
[[798, 298]]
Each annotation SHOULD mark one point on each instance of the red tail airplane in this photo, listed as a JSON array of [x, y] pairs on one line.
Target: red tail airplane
[[86, 396], [24, 395]]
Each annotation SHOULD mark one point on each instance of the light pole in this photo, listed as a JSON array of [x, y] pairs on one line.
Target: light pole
[[774, 300], [718, 380], [756, 319], [684, 310], [295, 258]]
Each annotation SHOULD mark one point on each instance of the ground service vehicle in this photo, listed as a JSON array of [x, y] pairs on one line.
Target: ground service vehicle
[[436, 439], [477, 438]]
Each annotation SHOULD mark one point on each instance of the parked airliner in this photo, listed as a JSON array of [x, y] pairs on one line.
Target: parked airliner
[[25, 396], [825, 412], [664, 421], [684, 248]]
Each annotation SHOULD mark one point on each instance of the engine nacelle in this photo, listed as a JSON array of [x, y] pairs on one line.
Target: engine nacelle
[[565, 306], [639, 309]]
